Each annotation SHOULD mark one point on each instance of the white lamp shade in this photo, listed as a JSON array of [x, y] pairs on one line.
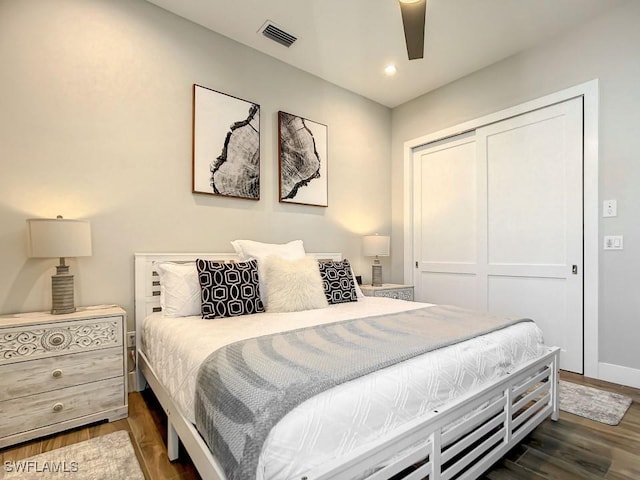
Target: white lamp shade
[[375, 245], [59, 237]]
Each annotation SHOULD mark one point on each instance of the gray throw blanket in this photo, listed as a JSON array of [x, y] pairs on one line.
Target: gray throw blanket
[[245, 388]]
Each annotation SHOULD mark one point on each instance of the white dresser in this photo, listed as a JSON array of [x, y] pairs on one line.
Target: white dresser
[[61, 371], [389, 290]]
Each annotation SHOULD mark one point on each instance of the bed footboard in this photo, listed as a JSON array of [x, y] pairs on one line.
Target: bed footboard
[[464, 438]]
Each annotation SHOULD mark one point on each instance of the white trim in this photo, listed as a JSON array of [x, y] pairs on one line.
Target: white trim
[[589, 92], [591, 214], [408, 213], [619, 374]]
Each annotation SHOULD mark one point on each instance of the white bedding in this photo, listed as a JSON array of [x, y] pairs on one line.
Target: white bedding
[[336, 421]]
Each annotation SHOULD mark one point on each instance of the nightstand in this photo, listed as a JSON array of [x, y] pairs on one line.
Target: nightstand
[[61, 371], [389, 290]]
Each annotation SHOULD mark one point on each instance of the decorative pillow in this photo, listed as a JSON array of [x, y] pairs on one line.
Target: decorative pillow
[[293, 285], [229, 289], [179, 289], [248, 249], [337, 280]]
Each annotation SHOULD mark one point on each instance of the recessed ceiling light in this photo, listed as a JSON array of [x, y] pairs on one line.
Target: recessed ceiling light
[[390, 70], [409, 1]]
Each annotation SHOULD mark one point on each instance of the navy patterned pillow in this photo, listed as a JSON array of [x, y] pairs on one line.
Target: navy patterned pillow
[[337, 281], [229, 289]]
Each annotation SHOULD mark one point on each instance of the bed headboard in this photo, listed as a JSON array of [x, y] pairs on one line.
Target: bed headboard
[[147, 281]]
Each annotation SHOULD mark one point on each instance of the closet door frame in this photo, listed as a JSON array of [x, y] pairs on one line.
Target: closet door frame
[[589, 93]]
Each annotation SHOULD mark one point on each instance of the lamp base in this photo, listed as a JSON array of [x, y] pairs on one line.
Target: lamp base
[[376, 275], [62, 291]]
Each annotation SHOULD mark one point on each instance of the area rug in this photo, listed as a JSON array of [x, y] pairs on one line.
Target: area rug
[[108, 457], [594, 404]]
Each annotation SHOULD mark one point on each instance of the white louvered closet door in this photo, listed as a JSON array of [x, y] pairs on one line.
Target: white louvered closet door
[[498, 223]]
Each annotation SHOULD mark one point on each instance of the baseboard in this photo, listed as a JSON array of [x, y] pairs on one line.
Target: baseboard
[[133, 383], [619, 374]]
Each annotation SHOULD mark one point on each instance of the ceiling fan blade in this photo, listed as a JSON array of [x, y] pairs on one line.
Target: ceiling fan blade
[[413, 19]]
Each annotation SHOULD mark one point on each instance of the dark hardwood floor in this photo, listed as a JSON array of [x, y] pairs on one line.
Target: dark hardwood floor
[[578, 448], [572, 448]]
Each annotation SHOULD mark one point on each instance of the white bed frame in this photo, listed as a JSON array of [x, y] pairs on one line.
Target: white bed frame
[[460, 440]]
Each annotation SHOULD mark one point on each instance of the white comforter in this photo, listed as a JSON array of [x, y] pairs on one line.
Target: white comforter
[[336, 421]]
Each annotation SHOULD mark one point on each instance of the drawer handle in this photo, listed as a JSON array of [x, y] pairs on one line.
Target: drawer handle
[[57, 373], [58, 407]]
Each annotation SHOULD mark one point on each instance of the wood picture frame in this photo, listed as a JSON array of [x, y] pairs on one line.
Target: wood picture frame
[[302, 160], [226, 145]]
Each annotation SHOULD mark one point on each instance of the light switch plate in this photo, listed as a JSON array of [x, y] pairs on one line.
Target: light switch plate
[[610, 208], [613, 242]]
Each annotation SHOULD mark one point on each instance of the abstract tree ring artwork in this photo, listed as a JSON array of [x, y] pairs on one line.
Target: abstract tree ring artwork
[[226, 145], [302, 151]]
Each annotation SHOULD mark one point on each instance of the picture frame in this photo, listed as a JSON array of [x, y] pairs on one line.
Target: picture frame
[[226, 145], [302, 160]]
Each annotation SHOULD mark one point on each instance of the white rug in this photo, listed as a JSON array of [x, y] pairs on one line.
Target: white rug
[[592, 403], [108, 457]]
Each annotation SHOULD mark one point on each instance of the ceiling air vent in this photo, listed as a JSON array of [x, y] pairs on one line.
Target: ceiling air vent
[[275, 33]]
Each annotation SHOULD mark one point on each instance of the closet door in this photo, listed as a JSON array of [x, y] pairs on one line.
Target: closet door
[[498, 223], [445, 222], [530, 242]]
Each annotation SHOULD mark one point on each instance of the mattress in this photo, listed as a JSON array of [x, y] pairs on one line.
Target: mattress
[[348, 416]]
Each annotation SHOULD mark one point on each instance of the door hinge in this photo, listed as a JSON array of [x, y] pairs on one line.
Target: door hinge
[[416, 264], [574, 269]]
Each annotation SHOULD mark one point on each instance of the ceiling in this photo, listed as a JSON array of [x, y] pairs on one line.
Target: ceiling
[[349, 42]]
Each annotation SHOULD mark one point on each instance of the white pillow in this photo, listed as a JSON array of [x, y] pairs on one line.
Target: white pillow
[[359, 293], [248, 249], [179, 289], [293, 285]]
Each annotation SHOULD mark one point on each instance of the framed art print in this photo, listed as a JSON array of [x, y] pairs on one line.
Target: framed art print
[[226, 145], [302, 152]]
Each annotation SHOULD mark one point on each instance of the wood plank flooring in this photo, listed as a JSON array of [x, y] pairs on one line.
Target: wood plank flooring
[[578, 448], [572, 448]]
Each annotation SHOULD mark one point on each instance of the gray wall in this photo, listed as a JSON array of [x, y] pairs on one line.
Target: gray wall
[[606, 49], [95, 123]]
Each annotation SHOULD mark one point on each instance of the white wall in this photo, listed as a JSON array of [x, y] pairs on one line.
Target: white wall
[[95, 123], [607, 49]]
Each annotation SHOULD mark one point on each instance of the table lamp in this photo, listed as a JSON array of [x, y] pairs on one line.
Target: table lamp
[[376, 246], [60, 238]]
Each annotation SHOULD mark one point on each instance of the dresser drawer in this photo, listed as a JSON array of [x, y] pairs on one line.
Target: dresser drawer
[[27, 413], [400, 293], [42, 341], [46, 374]]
